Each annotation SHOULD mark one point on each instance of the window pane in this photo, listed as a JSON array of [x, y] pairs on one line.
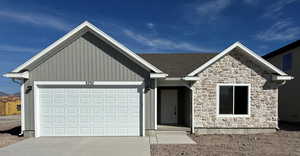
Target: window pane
[[226, 100], [287, 62], [241, 100]]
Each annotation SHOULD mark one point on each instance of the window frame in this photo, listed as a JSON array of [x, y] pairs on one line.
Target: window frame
[[233, 85]]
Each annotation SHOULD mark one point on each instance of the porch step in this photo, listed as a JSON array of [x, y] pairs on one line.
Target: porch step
[[170, 137], [173, 128]]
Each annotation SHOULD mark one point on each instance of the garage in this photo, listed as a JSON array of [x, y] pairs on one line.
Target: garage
[[88, 110]]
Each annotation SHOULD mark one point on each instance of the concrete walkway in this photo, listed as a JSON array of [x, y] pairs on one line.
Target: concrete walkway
[[79, 146], [170, 137]]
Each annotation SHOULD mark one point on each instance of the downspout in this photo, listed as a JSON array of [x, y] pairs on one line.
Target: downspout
[[281, 83], [22, 102]]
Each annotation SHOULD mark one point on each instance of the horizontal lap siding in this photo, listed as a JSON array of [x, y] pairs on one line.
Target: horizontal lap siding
[[86, 59]]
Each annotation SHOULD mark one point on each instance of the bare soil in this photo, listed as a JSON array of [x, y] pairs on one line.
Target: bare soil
[[285, 142], [9, 130]]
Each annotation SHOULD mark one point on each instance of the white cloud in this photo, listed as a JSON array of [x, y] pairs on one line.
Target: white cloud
[[9, 48], [162, 44], [36, 19], [150, 25], [275, 9], [280, 31], [212, 8]]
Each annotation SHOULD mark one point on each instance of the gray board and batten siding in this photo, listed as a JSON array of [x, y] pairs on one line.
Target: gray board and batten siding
[[88, 58]]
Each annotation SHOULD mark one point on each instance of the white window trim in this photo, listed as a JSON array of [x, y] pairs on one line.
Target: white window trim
[[218, 99], [36, 85]]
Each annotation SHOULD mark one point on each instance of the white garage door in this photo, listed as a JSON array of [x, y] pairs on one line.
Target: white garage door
[[105, 111]]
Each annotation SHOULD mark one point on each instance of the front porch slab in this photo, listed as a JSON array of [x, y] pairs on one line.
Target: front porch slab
[[170, 137]]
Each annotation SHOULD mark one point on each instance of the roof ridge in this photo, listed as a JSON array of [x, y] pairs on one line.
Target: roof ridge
[[162, 53]]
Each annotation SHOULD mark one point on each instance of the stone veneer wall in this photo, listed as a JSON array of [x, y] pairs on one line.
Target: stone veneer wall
[[235, 68]]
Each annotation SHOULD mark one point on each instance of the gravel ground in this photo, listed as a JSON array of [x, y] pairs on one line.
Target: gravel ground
[[9, 130], [285, 142]]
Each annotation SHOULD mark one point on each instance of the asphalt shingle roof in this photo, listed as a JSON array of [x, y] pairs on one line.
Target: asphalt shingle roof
[[282, 49], [177, 64]]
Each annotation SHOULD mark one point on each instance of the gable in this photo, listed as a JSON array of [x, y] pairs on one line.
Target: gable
[[88, 58], [248, 53], [235, 66], [81, 29]]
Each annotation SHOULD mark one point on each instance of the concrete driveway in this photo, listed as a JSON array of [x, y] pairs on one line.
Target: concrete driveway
[[79, 146]]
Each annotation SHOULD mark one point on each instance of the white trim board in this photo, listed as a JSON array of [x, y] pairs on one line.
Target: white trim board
[[218, 99], [229, 49], [24, 75], [155, 104], [64, 83], [36, 85], [282, 78], [109, 39], [144, 120], [22, 107], [158, 75]]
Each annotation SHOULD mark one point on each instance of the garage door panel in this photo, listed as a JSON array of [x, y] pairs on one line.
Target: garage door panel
[[72, 131], [89, 111], [59, 131]]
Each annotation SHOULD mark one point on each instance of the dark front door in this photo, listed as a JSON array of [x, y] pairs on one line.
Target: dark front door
[[169, 106]]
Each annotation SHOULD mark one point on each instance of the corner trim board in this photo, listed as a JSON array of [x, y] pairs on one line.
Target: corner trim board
[[155, 104], [143, 105], [22, 107]]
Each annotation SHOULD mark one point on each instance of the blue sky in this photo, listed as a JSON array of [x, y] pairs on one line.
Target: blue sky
[[147, 26]]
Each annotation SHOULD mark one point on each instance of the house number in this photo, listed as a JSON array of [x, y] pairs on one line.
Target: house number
[[89, 83]]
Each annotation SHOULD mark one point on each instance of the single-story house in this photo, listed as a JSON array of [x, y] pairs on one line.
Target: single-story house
[[88, 84], [287, 58]]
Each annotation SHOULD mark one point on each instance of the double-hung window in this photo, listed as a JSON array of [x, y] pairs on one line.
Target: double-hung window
[[233, 99]]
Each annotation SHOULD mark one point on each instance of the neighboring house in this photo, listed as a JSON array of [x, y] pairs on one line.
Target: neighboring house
[[88, 84], [10, 105], [287, 58]]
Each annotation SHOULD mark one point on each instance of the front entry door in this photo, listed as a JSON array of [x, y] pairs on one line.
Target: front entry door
[[169, 103]]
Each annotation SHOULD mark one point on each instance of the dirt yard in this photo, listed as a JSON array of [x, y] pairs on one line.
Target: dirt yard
[[9, 130], [285, 142]]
